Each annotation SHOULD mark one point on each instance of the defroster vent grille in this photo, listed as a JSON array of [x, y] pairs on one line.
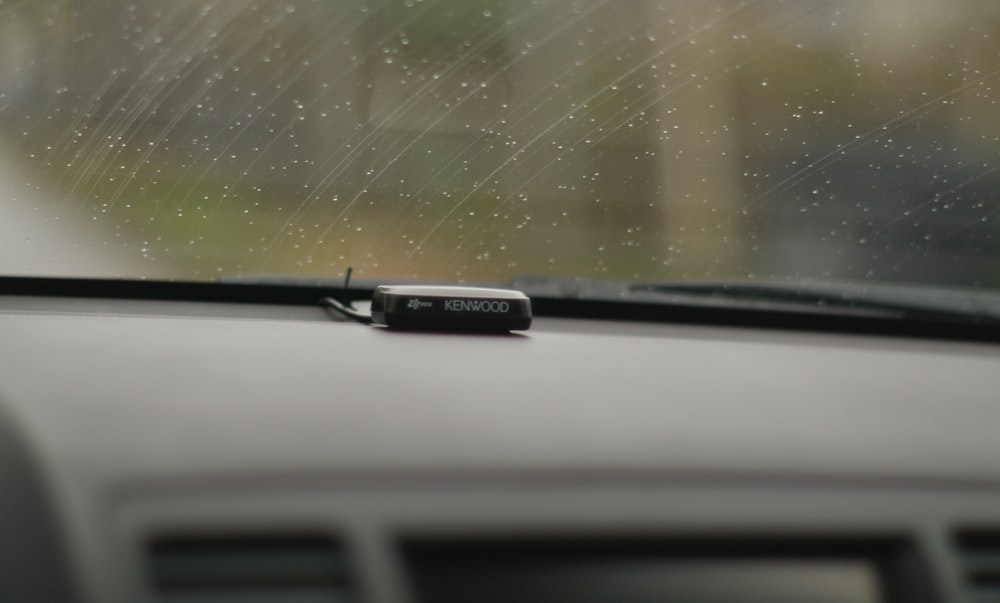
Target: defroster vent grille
[[250, 569], [979, 559]]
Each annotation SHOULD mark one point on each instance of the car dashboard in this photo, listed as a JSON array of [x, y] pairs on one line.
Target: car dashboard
[[222, 452]]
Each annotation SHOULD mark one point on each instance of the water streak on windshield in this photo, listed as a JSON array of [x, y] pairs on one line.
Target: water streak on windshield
[[653, 140]]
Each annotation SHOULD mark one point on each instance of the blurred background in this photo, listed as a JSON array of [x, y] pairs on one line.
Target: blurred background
[[480, 139]]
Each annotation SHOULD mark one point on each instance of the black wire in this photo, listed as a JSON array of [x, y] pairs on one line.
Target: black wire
[[347, 311], [343, 292], [344, 307]]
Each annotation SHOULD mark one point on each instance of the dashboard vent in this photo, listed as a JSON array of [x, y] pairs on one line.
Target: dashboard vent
[[250, 569], [979, 559]]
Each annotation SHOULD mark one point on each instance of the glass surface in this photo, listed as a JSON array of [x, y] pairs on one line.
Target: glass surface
[[481, 139]]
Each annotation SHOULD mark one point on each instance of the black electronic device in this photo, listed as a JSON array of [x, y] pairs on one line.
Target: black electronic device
[[450, 308]]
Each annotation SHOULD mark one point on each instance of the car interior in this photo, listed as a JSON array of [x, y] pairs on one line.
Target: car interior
[[653, 301]]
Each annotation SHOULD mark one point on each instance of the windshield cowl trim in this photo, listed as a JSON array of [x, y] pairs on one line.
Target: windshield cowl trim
[[676, 311]]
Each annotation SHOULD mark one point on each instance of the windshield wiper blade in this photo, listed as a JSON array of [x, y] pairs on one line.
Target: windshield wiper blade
[[867, 300]]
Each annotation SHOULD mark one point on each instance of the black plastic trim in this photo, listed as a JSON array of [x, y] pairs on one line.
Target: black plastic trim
[[311, 294], [252, 293], [785, 320]]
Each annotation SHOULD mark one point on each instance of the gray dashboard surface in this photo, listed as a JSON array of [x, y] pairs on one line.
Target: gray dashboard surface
[[147, 391], [150, 416]]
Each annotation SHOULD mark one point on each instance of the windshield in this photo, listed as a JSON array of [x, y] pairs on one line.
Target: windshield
[[655, 140]]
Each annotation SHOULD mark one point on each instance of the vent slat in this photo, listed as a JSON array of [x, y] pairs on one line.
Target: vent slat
[[248, 567], [979, 560], [297, 569], [284, 596]]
